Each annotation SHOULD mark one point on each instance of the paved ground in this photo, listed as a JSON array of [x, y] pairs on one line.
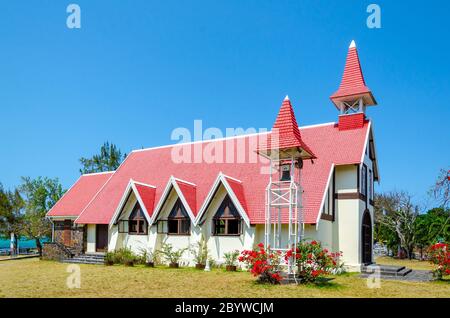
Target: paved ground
[[414, 276]]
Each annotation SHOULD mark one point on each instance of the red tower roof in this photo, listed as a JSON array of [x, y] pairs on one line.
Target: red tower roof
[[285, 133], [353, 84]]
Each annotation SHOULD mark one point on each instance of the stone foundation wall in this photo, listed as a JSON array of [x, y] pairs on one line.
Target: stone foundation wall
[[77, 236], [53, 251]]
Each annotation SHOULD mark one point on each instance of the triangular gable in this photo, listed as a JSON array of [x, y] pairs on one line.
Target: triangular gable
[[238, 190], [189, 191], [145, 195], [234, 189], [186, 191]]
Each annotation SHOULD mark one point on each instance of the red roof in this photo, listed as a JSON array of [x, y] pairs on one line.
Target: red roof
[[286, 128], [156, 165], [79, 195], [238, 189], [353, 79], [190, 194], [147, 195]]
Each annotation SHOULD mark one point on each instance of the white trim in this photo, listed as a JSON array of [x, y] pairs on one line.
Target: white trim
[[94, 197], [141, 203], [184, 181], [61, 217], [107, 181], [121, 203], [161, 200], [366, 141], [352, 44], [172, 183], [374, 150], [68, 190], [224, 138], [183, 199], [317, 125], [130, 187], [324, 196], [144, 184], [208, 198], [236, 202], [96, 173], [234, 179], [221, 178]]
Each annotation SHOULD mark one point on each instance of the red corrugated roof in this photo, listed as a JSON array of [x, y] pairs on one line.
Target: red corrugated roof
[[287, 132], [155, 166], [147, 194], [238, 189], [79, 195], [353, 82], [190, 194]]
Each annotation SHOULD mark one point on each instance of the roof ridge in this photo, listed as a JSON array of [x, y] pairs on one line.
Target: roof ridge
[[227, 138]]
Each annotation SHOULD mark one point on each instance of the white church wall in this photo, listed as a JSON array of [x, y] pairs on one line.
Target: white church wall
[[177, 241], [91, 239], [218, 245]]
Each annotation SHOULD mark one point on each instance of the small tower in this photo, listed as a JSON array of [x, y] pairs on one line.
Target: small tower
[[353, 96], [286, 151]]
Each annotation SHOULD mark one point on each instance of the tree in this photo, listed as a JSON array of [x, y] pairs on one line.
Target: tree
[[109, 159], [400, 217], [432, 227], [40, 195], [11, 204], [383, 234], [441, 190]]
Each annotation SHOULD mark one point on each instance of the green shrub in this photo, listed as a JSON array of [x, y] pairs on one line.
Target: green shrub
[[231, 258], [171, 255], [200, 251], [123, 255]]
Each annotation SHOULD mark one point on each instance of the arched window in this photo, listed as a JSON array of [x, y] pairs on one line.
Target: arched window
[[227, 220], [178, 221], [137, 222]]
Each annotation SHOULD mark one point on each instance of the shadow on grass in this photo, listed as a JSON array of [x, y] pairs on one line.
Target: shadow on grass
[[443, 281], [325, 283]]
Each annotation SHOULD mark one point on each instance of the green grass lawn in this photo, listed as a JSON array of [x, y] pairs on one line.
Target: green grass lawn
[[413, 264], [36, 278]]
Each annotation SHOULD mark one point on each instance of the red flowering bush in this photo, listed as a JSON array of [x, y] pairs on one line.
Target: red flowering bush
[[263, 263], [313, 261], [439, 255]]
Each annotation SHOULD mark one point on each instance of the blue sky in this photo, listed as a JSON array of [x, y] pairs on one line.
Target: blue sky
[[134, 72]]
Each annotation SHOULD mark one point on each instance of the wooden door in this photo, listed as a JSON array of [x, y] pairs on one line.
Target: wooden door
[[366, 238], [101, 234], [67, 233]]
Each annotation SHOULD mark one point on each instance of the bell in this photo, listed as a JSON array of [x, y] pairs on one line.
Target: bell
[[285, 172]]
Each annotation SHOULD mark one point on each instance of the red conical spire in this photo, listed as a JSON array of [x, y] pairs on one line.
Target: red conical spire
[[286, 134], [353, 85]]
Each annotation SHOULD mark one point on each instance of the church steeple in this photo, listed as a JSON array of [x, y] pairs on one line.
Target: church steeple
[[353, 96], [286, 139]]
